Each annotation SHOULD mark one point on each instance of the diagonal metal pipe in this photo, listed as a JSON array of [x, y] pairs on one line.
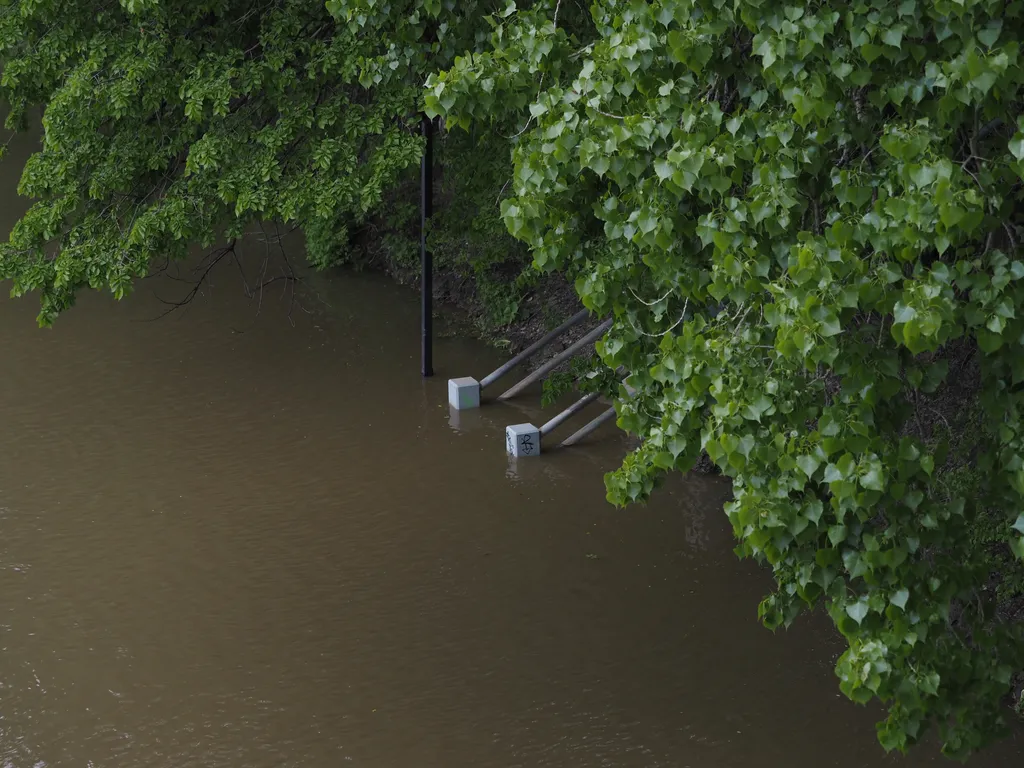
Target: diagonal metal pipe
[[569, 412], [585, 430], [557, 360], [531, 350]]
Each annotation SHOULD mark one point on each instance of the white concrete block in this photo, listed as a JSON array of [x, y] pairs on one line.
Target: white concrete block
[[464, 393], [522, 440]]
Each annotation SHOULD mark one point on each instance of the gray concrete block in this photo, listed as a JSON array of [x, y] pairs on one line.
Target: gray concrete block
[[464, 393], [522, 440]]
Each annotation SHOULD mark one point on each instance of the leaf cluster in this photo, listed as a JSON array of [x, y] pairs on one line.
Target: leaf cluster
[[172, 122], [793, 211]]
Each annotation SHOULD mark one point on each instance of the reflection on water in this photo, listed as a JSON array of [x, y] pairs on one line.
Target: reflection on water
[[278, 547]]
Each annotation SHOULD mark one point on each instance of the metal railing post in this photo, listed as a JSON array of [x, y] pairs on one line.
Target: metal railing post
[[426, 258]]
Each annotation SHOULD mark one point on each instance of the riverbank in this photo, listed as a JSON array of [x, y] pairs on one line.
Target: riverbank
[[541, 307]]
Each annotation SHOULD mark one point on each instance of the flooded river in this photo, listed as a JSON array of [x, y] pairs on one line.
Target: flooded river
[[250, 536]]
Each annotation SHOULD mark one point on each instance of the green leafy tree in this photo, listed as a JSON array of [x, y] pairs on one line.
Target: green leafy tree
[[174, 122], [798, 214]]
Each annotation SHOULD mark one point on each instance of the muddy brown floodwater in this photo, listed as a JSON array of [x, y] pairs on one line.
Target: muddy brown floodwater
[[242, 539]]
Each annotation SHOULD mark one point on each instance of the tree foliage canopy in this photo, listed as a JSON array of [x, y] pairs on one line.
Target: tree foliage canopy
[[795, 211], [169, 122], [798, 214]]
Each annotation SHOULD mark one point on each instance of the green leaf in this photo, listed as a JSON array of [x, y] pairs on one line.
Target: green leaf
[[858, 610], [1017, 146], [813, 510], [899, 598], [903, 314], [1017, 547], [873, 479], [870, 52], [908, 450], [989, 342], [766, 50], [808, 465], [930, 683], [924, 175], [600, 164], [837, 534], [893, 36], [990, 33], [830, 326]]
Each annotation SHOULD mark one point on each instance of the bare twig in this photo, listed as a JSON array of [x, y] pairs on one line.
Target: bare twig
[[939, 414], [608, 114], [1009, 234], [497, 200], [965, 169], [739, 325], [649, 303], [212, 261]]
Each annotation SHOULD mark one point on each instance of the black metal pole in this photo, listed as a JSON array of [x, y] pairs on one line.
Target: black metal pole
[[426, 258]]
